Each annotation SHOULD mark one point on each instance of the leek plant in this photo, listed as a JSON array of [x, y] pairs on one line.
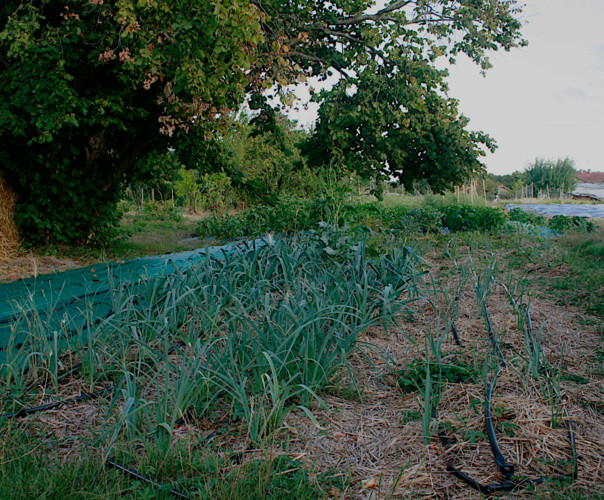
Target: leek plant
[[260, 331]]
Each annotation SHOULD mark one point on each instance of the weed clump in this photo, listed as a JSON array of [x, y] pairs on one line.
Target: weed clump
[[564, 223]]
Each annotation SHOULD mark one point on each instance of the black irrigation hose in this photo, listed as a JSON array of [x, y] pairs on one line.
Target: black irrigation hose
[[139, 476], [508, 484], [489, 489], [506, 469], [28, 411], [457, 297], [456, 335]]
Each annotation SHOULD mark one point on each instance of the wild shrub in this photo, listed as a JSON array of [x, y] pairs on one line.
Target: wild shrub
[[159, 211]]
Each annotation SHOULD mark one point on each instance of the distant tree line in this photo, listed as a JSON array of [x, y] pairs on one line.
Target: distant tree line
[[541, 176]]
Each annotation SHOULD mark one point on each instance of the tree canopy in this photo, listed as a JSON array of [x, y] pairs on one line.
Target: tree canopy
[[90, 86], [549, 174]]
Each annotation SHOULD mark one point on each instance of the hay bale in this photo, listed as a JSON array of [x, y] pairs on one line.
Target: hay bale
[[9, 235]]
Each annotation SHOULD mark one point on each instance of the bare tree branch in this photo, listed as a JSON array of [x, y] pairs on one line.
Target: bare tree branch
[[380, 15]]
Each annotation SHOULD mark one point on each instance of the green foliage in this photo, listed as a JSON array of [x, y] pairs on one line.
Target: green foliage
[[413, 376], [216, 188], [393, 116], [158, 211], [519, 215], [397, 124], [563, 223], [198, 192], [187, 188], [552, 175], [469, 218], [252, 335], [289, 215], [90, 87], [265, 161]]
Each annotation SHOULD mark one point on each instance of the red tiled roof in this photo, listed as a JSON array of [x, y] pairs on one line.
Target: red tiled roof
[[591, 177]]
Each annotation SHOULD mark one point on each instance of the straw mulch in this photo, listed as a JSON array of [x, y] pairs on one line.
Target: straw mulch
[[9, 236], [381, 446], [378, 444]]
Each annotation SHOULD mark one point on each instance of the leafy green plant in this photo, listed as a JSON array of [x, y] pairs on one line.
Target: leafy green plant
[[472, 218], [215, 191], [158, 211], [412, 377], [563, 223], [519, 215]]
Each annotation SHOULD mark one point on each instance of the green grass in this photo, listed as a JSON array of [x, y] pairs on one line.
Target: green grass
[[151, 237], [201, 473]]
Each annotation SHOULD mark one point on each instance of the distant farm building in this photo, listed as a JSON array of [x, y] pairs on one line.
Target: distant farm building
[[590, 186]]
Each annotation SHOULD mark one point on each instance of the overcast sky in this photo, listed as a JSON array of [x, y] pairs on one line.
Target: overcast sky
[[545, 100]]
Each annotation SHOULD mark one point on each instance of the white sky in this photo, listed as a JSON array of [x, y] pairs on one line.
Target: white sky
[[545, 100]]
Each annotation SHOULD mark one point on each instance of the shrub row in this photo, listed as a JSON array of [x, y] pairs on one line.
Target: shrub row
[[290, 215]]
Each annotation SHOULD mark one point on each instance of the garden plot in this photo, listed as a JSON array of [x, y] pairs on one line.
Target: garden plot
[[344, 363], [384, 439]]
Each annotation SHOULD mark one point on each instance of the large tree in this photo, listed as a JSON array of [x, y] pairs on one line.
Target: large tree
[[389, 114], [397, 125], [88, 86]]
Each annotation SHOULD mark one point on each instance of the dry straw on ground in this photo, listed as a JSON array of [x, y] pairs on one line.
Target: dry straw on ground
[[9, 236], [377, 443]]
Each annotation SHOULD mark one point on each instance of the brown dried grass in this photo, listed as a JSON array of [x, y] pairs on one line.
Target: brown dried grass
[[9, 235]]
